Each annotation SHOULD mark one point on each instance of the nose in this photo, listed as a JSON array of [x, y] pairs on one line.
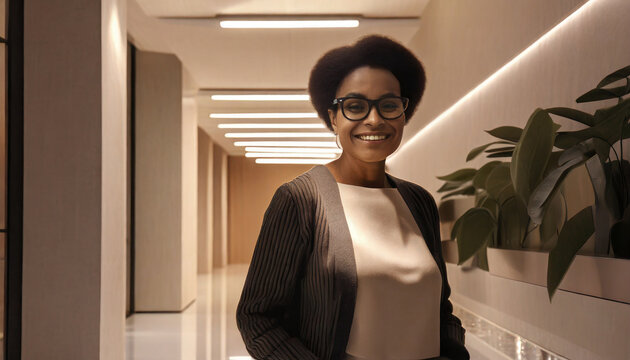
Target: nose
[[374, 118]]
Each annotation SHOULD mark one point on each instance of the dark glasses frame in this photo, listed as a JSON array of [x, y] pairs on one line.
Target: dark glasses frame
[[371, 102]]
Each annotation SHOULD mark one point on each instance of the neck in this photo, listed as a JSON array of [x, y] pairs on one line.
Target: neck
[[368, 174]]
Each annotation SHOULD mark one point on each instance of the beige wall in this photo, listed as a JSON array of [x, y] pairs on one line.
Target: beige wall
[[220, 206], [251, 187], [189, 200], [74, 180], [204, 202], [165, 187], [461, 44]]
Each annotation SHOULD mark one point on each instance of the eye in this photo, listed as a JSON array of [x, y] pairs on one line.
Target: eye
[[390, 105], [354, 105]]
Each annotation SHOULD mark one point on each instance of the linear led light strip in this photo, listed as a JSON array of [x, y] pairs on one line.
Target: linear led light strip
[[292, 150], [271, 126], [288, 24], [260, 97], [496, 74], [329, 144], [309, 115], [290, 155], [293, 161], [280, 135]]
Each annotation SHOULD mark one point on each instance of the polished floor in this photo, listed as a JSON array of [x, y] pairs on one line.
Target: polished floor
[[207, 330]]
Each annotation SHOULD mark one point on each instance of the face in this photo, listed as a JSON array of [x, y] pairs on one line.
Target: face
[[371, 83]]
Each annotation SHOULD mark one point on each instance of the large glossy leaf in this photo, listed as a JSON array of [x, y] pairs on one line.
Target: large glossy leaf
[[554, 216], [469, 190], [572, 237], [503, 154], [513, 221], [549, 185], [615, 76], [532, 153], [475, 231], [498, 180], [573, 114], [602, 94], [489, 203], [617, 186], [602, 215], [479, 181], [460, 175], [479, 149], [482, 259], [509, 133], [500, 149]]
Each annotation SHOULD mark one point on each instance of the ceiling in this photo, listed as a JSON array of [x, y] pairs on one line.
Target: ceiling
[[239, 60]]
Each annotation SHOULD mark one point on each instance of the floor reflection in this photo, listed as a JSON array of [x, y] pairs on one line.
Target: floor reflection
[[207, 330]]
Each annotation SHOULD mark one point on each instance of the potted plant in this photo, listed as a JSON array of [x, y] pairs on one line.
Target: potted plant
[[515, 198]]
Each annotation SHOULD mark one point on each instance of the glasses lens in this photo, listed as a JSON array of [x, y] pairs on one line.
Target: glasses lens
[[391, 108], [355, 109]]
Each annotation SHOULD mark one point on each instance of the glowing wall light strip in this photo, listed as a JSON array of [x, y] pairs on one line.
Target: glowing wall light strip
[[496, 74], [264, 116], [292, 149], [288, 24], [287, 143], [293, 161], [280, 135], [271, 126], [290, 155], [260, 97]]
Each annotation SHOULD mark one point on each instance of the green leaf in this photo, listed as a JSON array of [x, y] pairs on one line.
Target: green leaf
[[474, 232], [572, 237], [498, 180], [553, 219], [460, 175], [513, 221], [479, 149], [500, 154], [577, 115], [479, 181], [602, 94], [615, 76], [469, 190], [532, 153], [509, 133], [569, 160], [482, 259], [448, 186], [501, 149]]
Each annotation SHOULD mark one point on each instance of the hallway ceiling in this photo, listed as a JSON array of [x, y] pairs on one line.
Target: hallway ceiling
[[252, 59]]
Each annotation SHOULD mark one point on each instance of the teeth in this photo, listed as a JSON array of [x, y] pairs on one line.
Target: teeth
[[372, 137]]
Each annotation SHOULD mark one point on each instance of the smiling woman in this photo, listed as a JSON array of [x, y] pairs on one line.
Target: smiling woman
[[348, 262]]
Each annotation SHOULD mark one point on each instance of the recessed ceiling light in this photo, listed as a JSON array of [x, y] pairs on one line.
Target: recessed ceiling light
[[293, 161], [331, 144], [279, 134], [288, 24], [271, 126], [292, 149], [309, 115], [291, 155], [261, 97]]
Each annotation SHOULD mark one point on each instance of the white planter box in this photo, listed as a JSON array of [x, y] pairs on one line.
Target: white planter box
[[603, 277]]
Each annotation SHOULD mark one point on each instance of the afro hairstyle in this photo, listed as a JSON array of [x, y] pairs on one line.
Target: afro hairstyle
[[374, 51]]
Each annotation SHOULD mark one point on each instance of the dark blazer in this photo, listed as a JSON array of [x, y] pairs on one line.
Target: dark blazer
[[299, 294]]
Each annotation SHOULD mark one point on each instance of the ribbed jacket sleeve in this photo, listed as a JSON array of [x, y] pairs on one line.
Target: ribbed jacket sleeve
[[264, 313], [451, 330]]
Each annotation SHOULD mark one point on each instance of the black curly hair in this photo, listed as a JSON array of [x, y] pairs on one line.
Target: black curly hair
[[375, 51]]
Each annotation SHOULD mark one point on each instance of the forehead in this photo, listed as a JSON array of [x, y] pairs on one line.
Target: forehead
[[369, 81]]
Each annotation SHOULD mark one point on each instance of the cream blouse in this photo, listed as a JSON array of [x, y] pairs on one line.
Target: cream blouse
[[397, 310]]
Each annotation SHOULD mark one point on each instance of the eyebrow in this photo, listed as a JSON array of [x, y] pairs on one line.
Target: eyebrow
[[359, 95]]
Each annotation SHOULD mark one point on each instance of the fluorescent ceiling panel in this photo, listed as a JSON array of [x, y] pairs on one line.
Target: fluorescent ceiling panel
[[288, 24], [271, 126], [280, 135], [261, 97], [308, 115], [287, 143]]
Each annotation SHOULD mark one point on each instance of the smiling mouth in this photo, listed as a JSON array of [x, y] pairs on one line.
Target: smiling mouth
[[372, 137]]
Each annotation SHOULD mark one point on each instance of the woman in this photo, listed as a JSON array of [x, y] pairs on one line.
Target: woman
[[348, 263]]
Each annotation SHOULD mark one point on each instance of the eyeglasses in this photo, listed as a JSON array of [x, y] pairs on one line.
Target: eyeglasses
[[357, 108]]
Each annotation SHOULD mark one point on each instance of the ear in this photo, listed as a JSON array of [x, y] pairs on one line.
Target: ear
[[333, 119]]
